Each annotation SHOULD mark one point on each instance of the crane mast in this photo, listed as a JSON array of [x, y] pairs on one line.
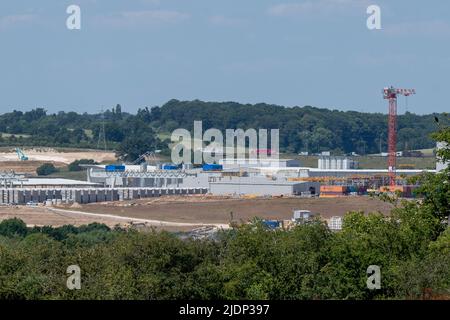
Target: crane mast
[[391, 94]]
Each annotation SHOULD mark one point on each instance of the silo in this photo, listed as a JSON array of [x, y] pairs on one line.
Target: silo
[[342, 165], [345, 164], [333, 163]]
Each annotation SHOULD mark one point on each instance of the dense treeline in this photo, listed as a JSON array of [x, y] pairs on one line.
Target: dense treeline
[[308, 262], [130, 135], [301, 129]]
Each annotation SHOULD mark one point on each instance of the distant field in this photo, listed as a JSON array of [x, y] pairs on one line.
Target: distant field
[[380, 162], [57, 149], [374, 162], [7, 135], [60, 157], [65, 174], [427, 152], [164, 135], [28, 167]]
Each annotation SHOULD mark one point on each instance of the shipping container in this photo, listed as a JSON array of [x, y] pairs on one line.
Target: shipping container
[[332, 195], [212, 167], [272, 224], [405, 191], [115, 168], [170, 167], [337, 189]]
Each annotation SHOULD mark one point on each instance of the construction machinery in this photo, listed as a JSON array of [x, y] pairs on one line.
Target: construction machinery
[[21, 155], [391, 95]]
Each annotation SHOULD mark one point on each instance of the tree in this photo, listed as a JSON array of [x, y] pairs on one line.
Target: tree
[[133, 146], [46, 169], [75, 165], [435, 188], [117, 112], [443, 135], [13, 227], [139, 139]]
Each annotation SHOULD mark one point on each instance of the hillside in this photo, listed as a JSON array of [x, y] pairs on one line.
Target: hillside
[[301, 128]]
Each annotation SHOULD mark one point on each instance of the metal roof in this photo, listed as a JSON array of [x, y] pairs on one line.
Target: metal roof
[[54, 181]]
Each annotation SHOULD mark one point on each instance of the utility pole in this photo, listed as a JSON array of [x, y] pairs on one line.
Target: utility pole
[[102, 135], [381, 136]]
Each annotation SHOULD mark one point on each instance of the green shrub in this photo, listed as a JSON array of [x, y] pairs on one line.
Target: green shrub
[[75, 166], [46, 169]]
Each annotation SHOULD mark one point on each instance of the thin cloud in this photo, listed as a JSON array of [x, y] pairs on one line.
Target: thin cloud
[[151, 2], [223, 21], [435, 28], [11, 21], [316, 7], [142, 18]]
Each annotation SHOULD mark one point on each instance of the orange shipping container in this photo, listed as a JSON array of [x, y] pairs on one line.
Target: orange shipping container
[[331, 195], [336, 189], [393, 188]]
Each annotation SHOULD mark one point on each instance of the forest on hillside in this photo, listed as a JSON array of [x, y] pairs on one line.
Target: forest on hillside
[[301, 128]]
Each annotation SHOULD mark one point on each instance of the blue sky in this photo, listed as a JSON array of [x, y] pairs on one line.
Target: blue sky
[[290, 52]]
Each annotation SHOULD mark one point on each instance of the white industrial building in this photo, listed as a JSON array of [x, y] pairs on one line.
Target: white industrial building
[[42, 183], [336, 163], [258, 162], [305, 172], [261, 186]]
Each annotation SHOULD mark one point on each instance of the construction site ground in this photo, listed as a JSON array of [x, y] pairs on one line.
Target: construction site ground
[[183, 213], [59, 158], [56, 217], [210, 209]]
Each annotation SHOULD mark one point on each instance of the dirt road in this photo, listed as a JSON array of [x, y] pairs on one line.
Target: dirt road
[[156, 223]]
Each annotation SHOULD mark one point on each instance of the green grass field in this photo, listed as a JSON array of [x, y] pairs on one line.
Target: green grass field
[[373, 162], [8, 135], [65, 174]]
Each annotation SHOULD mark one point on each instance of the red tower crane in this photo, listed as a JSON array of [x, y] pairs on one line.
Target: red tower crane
[[391, 95]]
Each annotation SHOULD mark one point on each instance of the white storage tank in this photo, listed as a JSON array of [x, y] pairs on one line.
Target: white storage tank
[[333, 164], [345, 164]]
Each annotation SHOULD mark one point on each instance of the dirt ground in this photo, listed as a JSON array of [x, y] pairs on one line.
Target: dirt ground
[[183, 213], [9, 160], [41, 216], [28, 167], [217, 210]]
